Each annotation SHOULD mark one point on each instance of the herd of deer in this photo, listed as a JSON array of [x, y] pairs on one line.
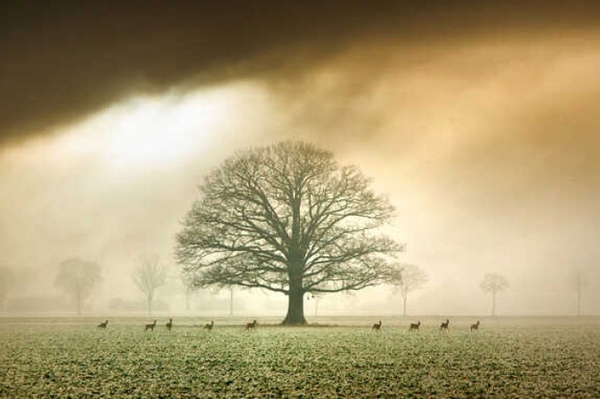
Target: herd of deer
[[169, 325], [250, 326], [415, 326]]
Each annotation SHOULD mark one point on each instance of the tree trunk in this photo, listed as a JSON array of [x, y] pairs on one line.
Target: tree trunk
[[404, 300], [149, 305], [78, 300], [578, 298], [295, 313], [493, 303]]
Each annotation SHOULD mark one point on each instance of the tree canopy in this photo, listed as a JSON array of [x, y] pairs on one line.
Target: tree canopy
[[77, 277], [409, 278], [148, 275], [287, 218], [494, 283]]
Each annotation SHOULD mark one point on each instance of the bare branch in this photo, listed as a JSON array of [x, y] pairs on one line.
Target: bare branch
[[289, 219]]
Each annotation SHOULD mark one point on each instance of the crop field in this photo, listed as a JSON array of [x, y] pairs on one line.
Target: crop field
[[504, 358]]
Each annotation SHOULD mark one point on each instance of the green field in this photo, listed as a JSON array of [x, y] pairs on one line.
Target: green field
[[515, 357]]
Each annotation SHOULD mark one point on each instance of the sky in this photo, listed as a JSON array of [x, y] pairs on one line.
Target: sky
[[478, 119]]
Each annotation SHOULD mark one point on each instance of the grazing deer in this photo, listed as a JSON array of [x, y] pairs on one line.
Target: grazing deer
[[209, 326], [444, 325], [169, 324], [150, 326], [475, 326], [414, 326], [251, 326], [103, 324], [377, 326]]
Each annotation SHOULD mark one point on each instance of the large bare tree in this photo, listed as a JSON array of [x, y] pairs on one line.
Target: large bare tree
[[494, 283], [410, 278], [287, 218], [77, 278], [148, 275]]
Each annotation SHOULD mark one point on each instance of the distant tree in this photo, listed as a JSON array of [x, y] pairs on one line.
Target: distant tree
[[189, 295], [287, 218], [190, 290], [316, 297], [494, 283], [77, 278], [148, 276], [230, 301], [578, 282], [410, 278], [7, 284]]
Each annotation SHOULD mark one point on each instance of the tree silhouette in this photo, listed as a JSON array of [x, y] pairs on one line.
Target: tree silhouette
[[148, 276], [7, 284], [77, 278], [287, 218], [579, 282], [410, 278], [189, 294], [493, 282]]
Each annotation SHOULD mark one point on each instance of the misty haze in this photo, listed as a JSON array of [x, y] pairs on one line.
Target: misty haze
[[203, 169]]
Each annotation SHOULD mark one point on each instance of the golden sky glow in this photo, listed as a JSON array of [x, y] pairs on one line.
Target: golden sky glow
[[487, 139]]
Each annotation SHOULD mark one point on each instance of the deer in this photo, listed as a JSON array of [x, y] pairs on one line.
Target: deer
[[475, 326], [169, 324], [150, 326], [209, 326], [414, 326], [377, 326], [251, 326], [444, 325], [103, 324]]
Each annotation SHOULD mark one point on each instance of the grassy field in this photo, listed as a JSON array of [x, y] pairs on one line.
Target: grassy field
[[519, 357]]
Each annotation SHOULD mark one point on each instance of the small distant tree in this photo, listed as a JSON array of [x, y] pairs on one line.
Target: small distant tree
[[189, 295], [7, 284], [578, 282], [77, 278], [148, 276], [409, 278], [316, 299], [230, 301], [190, 290], [494, 283]]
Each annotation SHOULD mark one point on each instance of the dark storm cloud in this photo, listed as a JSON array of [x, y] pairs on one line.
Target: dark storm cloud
[[479, 120], [62, 61]]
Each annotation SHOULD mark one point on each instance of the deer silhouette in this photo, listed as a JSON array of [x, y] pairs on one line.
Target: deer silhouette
[[150, 326], [169, 324], [475, 326], [251, 326], [444, 325], [209, 326], [103, 324], [414, 326], [377, 326]]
